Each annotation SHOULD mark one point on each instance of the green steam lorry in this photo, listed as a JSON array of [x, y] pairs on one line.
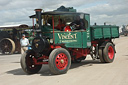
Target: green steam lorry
[[59, 48]]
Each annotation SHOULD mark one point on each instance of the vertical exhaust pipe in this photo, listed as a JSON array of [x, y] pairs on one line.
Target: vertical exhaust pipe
[[39, 17], [104, 23]]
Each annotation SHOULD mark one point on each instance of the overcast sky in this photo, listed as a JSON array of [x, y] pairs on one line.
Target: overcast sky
[[13, 12]]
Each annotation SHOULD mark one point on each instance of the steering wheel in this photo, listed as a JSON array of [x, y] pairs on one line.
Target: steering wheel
[[74, 27]]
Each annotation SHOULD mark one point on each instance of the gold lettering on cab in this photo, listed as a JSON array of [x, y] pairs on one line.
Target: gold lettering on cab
[[67, 36]]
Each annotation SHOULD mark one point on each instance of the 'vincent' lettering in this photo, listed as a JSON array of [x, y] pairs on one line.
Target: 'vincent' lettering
[[68, 36]]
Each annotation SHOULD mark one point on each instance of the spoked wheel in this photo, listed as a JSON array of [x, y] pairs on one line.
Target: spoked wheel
[[28, 64], [59, 61], [110, 52], [7, 46], [107, 54]]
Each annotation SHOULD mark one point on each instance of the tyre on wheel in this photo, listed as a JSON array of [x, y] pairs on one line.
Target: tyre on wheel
[[7, 46], [101, 55], [109, 53], [27, 62], [59, 61]]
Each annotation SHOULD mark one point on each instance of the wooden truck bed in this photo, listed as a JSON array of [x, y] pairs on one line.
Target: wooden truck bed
[[104, 32]]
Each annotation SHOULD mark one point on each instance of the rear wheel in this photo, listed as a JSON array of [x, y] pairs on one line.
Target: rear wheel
[[28, 64], [7, 46], [59, 61], [109, 53], [101, 55]]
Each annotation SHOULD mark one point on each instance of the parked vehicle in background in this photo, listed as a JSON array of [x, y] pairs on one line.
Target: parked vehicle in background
[[124, 30], [10, 38]]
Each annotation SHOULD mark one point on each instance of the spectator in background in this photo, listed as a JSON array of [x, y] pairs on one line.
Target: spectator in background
[[24, 43]]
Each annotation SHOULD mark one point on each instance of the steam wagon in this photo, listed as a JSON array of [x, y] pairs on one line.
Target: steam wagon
[[59, 47], [10, 38]]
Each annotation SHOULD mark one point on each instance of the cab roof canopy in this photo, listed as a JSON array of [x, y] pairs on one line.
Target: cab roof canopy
[[14, 26], [62, 10], [58, 13]]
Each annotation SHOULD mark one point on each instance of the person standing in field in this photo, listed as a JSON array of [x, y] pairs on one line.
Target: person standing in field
[[24, 43]]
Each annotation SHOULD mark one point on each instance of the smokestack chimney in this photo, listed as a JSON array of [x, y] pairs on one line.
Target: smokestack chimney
[[95, 23], [39, 17], [104, 23]]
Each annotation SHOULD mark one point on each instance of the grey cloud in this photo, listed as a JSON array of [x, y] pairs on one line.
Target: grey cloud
[[4, 2], [17, 11], [108, 9], [113, 11]]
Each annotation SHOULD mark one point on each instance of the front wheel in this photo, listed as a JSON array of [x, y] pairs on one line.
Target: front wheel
[[28, 64], [59, 61]]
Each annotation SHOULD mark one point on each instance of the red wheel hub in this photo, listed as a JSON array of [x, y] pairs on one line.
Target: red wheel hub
[[110, 52], [61, 61]]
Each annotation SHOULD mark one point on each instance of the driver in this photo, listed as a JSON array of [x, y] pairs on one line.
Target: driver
[[79, 23], [61, 25]]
